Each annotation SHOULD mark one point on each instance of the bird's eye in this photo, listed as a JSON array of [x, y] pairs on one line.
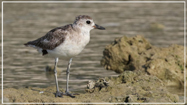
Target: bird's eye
[[88, 22]]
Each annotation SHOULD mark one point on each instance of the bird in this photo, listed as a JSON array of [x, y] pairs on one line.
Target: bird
[[65, 42]]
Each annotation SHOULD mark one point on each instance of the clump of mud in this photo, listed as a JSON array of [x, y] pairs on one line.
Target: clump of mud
[[136, 53], [126, 88]]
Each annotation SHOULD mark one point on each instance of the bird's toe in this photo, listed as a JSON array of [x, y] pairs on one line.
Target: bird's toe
[[58, 94]]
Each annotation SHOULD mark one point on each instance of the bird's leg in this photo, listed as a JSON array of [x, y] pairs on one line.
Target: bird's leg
[[58, 93], [67, 75]]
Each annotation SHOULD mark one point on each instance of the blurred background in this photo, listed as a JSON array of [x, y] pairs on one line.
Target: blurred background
[[160, 23]]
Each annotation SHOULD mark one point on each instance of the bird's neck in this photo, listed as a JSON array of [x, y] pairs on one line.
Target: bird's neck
[[82, 30]]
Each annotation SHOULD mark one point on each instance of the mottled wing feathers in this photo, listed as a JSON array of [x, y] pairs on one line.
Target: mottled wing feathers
[[52, 39]]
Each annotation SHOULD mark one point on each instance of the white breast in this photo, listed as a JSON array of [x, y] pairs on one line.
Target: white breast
[[72, 46]]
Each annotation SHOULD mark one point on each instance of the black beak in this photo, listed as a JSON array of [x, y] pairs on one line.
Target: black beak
[[98, 27]]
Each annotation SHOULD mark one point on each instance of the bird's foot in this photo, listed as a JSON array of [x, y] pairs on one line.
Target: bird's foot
[[58, 94], [69, 94]]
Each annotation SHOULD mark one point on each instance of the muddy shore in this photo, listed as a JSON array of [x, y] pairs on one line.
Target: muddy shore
[[129, 87], [133, 85]]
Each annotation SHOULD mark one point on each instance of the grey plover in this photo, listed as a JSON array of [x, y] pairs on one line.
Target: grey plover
[[66, 42]]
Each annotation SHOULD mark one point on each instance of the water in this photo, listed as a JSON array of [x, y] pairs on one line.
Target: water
[[161, 24]]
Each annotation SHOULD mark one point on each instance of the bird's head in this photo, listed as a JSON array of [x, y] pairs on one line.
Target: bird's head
[[87, 22]]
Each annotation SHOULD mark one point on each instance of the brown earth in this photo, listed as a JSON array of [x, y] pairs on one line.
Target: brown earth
[[136, 53], [128, 87]]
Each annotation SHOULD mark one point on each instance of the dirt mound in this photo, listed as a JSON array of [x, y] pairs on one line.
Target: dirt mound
[[136, 53]]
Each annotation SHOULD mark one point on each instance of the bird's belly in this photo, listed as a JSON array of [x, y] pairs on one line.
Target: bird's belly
[[66, 50]]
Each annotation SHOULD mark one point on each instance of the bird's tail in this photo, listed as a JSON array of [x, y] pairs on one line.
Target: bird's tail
[[29, 43]]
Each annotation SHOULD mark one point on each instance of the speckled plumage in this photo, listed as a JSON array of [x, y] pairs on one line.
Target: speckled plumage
[[68, 40], [52, 39]]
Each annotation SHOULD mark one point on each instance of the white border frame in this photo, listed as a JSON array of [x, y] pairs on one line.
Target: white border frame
[[102, 2]]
